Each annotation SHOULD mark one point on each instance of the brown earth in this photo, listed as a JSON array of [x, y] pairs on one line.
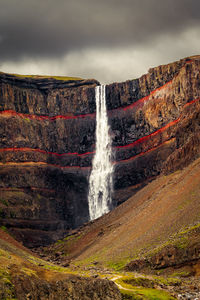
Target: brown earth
[[142, 226]]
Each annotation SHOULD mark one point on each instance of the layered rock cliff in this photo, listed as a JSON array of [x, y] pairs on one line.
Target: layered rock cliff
[[46, 129], [156, 121], [48, 141]]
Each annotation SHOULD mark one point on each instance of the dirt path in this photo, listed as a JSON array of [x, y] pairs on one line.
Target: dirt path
[[119, 285]]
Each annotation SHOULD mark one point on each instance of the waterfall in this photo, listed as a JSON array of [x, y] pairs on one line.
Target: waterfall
[[100, 182]]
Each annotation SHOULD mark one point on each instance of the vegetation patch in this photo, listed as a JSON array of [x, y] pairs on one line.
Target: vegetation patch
[[67, 243], [118, 265], [63, 78], [188, 230], [27, 120], [139, 281], [59, 242], [29, 272], [5, 276], [141, 288], [6, 286], [182, 274], [180, 240], [145, 294], [4, 228], [167, 281], [6, 291]]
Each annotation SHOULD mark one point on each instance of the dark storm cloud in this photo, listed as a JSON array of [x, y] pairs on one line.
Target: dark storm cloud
[[50, 28]]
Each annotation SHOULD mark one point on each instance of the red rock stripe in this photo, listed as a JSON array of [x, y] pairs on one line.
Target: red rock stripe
[[42, 118], [36, 117], [191, 102], [86, 168], [145, 138], [139, 141], [130, 145], [143, 153], [26, 149], [146, 98]]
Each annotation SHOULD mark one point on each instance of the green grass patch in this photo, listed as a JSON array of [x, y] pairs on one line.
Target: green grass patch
[[73, 238], [138, 281], [168, 281], [68, 240], [59, 242], [117, 266], [48, 266], [181, 274], [27, 120], [4, 254], [149, 283], [145, 288], [62, 78], [4, 228], [126, 295], [145, 294], [182, 243], [6, 286], [29, 272], [142, 291], [66, 243], [5, 276], [189, 229]]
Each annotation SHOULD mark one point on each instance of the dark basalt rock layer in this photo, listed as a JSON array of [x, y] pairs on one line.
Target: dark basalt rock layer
[[47, 129]]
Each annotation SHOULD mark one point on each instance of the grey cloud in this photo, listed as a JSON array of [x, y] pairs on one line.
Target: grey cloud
[[108, 65], [51, 29]]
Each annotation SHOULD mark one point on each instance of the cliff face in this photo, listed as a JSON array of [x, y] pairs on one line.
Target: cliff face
[[47, 133], [155, 123], [48, 139]]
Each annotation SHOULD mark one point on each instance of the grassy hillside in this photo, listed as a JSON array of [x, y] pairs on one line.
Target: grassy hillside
[[25, 276]]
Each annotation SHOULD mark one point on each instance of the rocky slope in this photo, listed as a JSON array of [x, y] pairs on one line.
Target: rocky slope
[[48, 141], [24, 276], [156, 229]]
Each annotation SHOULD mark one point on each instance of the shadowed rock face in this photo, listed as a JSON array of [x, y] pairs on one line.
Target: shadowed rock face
[[74, 288], [47, 129]]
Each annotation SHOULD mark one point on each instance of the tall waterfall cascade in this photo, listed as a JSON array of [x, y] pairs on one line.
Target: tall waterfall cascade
[[100, 181]]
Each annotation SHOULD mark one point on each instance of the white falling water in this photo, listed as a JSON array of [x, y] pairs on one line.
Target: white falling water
[[100, 182]]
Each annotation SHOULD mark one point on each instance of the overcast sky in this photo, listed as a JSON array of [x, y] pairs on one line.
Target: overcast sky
[[110, 40]]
